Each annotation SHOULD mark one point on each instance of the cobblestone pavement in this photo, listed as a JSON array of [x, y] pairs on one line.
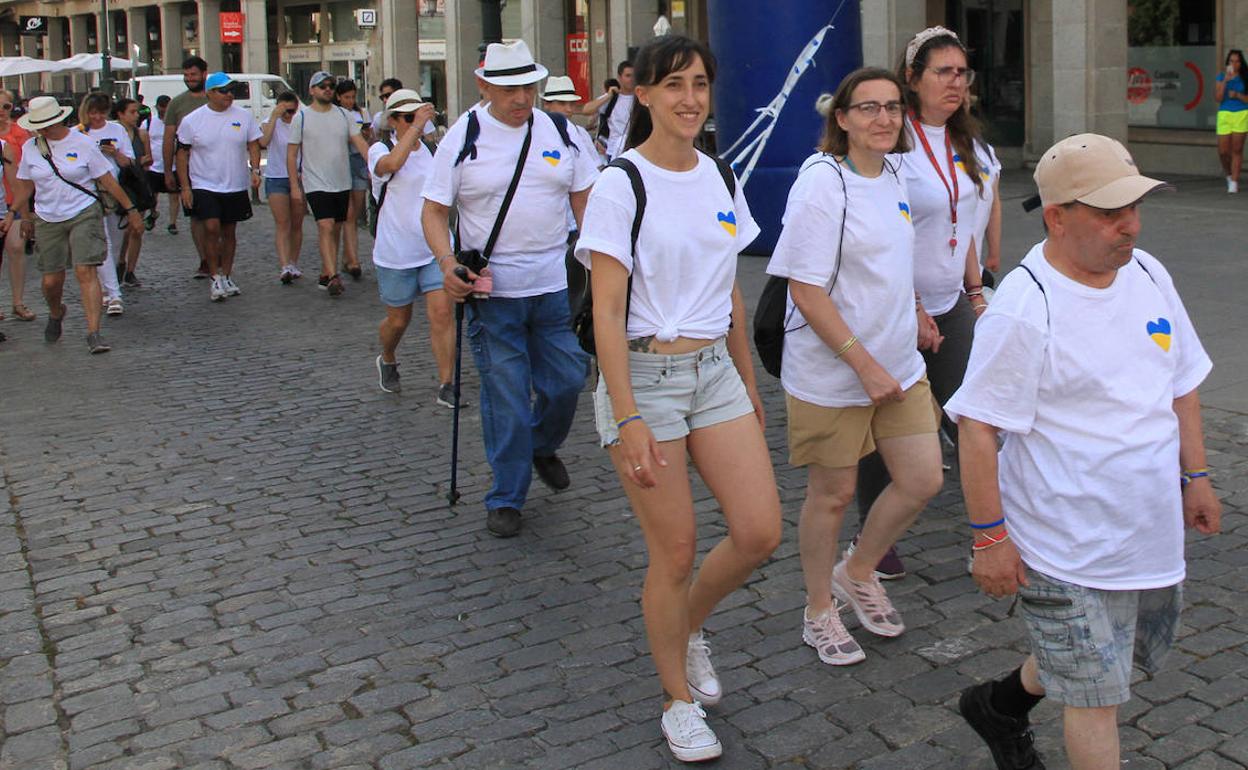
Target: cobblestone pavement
[[221, 546]]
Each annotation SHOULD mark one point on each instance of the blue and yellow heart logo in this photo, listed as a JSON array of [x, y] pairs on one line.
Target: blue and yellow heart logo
[[236, 125], [957, 161], [71, 156], [728, 220], [552, 157], [1159, 332], [905, 209]]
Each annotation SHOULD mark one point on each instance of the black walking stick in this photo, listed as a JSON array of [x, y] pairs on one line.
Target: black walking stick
[[453, 495]]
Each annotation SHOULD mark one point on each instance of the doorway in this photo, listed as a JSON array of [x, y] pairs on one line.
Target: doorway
[[994, 34]]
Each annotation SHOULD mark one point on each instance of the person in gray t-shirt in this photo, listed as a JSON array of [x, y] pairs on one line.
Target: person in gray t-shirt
[[323, 132]]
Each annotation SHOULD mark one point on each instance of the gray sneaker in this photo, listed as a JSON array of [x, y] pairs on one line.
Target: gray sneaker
[[96, 343], [446, 396], [388, 376]]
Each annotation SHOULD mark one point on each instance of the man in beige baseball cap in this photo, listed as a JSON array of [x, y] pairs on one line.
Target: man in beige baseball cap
[[1088, 364]]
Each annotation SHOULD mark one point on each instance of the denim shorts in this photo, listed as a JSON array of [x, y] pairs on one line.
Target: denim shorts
[[1086, 639], [276, 185], [359, 172], [678, 394], [401, 287]]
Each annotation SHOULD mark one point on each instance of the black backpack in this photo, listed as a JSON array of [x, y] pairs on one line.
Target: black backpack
[[770, 320], [583, 319], [604, 130], [473, 130]]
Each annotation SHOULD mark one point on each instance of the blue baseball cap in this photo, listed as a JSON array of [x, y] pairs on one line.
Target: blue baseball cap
[[217, 80]]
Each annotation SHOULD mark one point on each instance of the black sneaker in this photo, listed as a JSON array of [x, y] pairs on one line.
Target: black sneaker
[[388, 376], [355, 272], [552, 472], [503, 522], [52, 332], [131, 281], [203, 272], [322, 283], [172, 229], [446, 396], [1010, 740]]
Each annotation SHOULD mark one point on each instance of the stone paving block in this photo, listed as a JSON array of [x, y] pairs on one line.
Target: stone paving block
[[424, 754], [274, 753]]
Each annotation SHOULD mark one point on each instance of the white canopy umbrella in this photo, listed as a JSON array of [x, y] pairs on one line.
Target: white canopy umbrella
[[25, 65], [92, 62]]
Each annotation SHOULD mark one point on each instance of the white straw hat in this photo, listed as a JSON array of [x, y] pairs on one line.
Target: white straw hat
[[44, 111], [510, 64], [559, 88], [402, 100]]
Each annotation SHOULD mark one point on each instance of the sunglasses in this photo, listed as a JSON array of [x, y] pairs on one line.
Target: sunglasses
[[324, 84], [6, 106], [386, 95], [408, 117]]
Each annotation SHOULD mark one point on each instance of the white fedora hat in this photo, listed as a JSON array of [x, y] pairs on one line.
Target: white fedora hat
[[402, 100], [510, 64], [559, 88], [44, 111]]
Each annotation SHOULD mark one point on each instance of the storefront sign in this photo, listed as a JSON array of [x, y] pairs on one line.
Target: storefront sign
[[346, 52], [231, 27], [578, 62], [432, 49], [1170, 86], [678, 9], [366, 18], [34, 26], [306, 54]]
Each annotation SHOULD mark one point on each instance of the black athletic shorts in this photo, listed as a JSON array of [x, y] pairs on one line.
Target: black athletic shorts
[[156, 180], [228, 207], [329, 205]]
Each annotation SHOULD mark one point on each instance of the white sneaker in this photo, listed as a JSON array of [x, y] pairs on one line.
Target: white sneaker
[[216, 291], [1232, 186], [113, 306], [699, 673], [827, 634], [295, 271], [688, 737], [231, 288]]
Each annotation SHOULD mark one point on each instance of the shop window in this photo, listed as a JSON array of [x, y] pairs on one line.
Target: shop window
[[303, 24], [342, 25], [1172, 63]]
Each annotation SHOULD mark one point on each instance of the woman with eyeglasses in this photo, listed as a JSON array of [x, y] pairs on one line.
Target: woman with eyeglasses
[[344, 97], [943, 176], [853, 379], [115, 145], [287, 218], [14, 137]]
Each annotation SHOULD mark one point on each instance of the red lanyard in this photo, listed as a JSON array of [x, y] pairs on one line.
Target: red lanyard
[[953, 172]]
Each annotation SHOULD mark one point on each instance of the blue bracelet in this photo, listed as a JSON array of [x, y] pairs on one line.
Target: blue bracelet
[[996, 523], [1187, 478], [627, 420]]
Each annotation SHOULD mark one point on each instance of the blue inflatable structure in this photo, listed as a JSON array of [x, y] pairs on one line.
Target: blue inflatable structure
[[756, 45]]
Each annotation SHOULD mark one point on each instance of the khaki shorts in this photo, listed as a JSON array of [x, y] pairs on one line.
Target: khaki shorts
[[78, 240], [838, 437]]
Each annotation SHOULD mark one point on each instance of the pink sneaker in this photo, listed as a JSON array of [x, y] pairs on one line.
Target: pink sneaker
[[870, 603], [827, 634]]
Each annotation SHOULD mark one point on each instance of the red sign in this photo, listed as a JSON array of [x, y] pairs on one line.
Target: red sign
[[578, 63], [231, 27], [1139, 85]]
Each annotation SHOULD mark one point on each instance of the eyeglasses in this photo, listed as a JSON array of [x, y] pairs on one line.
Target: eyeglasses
[[872, 109], [386, 95], [408, 117], [947, 75], [6, 106]]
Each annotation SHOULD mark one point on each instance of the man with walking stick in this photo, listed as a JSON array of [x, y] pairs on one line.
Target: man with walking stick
[[510, 172]]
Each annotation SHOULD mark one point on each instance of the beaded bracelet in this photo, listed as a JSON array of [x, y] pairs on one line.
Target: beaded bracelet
[[989, 542]]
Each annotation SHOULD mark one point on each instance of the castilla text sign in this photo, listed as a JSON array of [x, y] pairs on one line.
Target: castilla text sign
[[231, 27]]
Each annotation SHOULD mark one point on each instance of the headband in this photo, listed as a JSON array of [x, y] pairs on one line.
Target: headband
[[921, 39]]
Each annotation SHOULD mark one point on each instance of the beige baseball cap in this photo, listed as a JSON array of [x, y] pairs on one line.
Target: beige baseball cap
[[1094, 170]]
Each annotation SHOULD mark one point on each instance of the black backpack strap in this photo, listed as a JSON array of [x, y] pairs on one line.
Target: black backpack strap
[[381, 196], [725, 171], [829, 160], [511, 193], [1047, 316], [561, 125], [46, 151], [604, 130], [472, 131], [639, 193], [1145, 269]]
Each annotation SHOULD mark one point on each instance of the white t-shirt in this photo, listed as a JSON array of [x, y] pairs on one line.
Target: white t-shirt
[[275, 165], [939, 271], [218, 142], [155, 135], [617, 123], [586, 143], [990, 172], [691, 234], [528, 258], [79, 160], [874, 288], [117, 133], [400, 242], [1084, 390]]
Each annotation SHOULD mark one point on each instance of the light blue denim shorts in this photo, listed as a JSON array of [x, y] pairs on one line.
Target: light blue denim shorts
[[1086, 639], [678, 394], [400, 287], [276, 185]]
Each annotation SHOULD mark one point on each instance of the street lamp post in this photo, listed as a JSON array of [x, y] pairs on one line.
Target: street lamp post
[[106, 69], [491, 24]]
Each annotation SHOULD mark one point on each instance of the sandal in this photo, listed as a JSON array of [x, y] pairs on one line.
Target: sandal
[[23, 313]]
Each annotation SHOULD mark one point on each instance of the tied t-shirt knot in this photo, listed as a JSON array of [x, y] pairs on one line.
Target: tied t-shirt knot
[[668, 332]]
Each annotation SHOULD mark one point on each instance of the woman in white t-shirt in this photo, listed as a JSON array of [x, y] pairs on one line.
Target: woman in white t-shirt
[[114, 143], [853, 378], [677, 375], [942, 175], [345, 97], [287, 219], [126, 113], [988, 220]]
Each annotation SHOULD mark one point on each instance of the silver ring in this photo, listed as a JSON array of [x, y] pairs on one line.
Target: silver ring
[[636, 468]]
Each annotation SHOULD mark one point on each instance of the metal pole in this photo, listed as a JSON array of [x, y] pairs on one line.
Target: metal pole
[[106, 44], [491, 24]]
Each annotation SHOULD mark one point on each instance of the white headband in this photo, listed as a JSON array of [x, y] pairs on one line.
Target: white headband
[[912, 50]]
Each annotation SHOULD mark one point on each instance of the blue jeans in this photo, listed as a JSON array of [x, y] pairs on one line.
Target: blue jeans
[[532, 371]]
